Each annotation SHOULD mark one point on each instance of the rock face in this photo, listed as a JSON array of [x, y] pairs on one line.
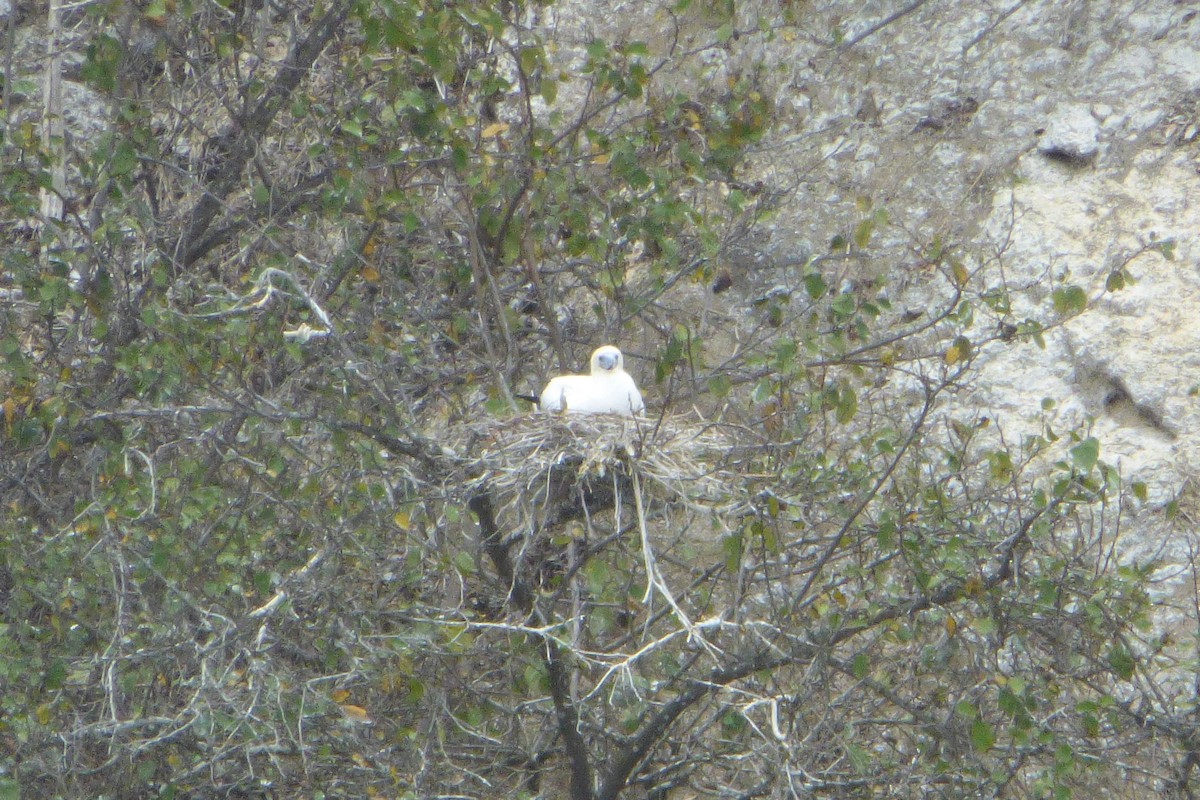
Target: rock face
[[1135, 348], [1072, 135], [1121, 175], [1051, 150]]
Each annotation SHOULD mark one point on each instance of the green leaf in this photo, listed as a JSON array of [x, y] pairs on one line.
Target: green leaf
[[814, 284], [860, 666], [959, 350], [732, 723], [733, 545], [54, 675], [983, 737], [1069, 300], [860, 759], [1085, 454], [459, 156], [156, 10], [997, 300], [719, 385], [9, 789], [597, 50], [124, 158], [1009, 703], [531, 58], [1122, 662], [1167, 248], [464, 563], [535, 679], [862, 233], [1000, 465], [847, 405], [497, 406], [886, 536], [104, 55], [843, 305]]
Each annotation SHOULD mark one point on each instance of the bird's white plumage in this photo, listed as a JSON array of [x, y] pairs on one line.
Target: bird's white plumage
[[608, 390]]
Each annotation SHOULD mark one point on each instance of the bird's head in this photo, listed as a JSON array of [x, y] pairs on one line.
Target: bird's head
[[607, 359]]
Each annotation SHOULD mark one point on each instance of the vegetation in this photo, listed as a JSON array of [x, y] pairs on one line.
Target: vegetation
[[252, 388]]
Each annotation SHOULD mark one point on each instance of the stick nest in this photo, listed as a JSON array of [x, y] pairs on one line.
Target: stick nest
[[527, 462]]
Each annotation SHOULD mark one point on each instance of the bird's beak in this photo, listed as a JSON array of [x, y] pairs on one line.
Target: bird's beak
[[606, 360]]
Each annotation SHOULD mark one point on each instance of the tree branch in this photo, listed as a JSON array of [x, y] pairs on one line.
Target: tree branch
[[250, 130], [522, 597], [653, 731]]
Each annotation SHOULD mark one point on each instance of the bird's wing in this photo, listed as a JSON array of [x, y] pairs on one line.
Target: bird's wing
[[555, 395], [636, 404], [587, 394]]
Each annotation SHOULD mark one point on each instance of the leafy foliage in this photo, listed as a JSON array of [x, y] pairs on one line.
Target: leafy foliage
[[317, 240]]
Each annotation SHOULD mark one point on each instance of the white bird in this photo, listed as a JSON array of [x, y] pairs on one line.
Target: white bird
[[608, 390]]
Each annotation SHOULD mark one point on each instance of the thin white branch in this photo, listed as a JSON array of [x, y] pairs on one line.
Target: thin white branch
[[655, 580], [269, 607], [265, 289], [153, 481]]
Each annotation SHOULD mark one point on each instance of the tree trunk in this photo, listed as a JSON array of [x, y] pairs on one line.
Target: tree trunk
[[51, 205]]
